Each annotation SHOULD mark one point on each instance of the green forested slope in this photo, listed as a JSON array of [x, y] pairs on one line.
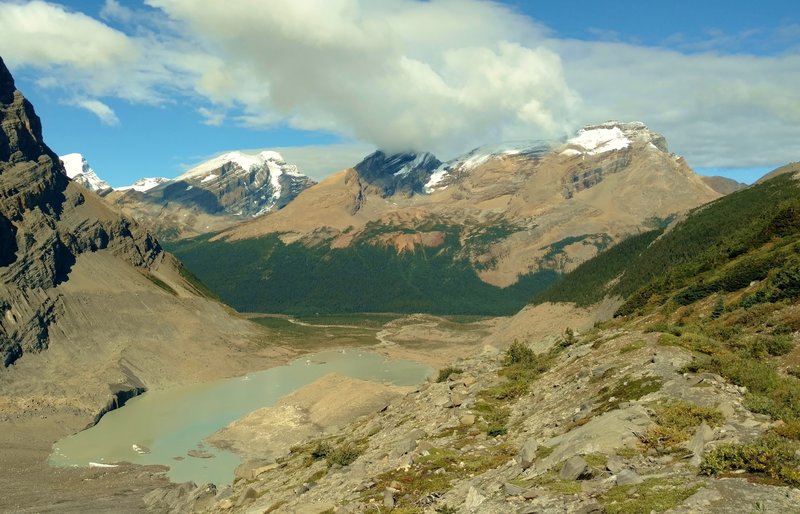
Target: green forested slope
[[723, 246], [266, 275]]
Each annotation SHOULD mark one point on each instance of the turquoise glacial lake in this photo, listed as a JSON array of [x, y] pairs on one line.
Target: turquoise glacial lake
[[168, 427]]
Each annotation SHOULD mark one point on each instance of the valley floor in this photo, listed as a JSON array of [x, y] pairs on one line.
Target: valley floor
[[30, 425]]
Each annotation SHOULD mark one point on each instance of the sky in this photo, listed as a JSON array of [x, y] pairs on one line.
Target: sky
[[151, 87]]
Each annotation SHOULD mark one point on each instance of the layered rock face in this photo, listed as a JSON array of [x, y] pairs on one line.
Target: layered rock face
[[405, 173], [45, 224]]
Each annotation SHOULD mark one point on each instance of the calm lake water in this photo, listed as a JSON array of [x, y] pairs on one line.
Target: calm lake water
[[168, 427]]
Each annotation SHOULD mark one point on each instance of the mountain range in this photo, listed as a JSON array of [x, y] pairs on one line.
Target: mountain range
[[479, 234], [213, 195], [669, 382]]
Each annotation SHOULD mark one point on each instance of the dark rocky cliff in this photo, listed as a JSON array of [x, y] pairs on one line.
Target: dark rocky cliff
[[46, 221]]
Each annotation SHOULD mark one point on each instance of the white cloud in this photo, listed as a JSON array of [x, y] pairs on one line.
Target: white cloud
[[717, 110], [211, 117], [441, 75], [99, 109], [400, 74], [39, 32], [113, 10], [319, 161]]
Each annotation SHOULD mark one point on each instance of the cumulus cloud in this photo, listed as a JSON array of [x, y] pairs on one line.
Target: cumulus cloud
[[440, 75], [401, 74], [99, 109], [717, 110], [210, 117], [86, 58]]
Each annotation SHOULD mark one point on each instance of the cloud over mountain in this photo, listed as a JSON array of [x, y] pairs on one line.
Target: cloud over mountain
[[440, 75]]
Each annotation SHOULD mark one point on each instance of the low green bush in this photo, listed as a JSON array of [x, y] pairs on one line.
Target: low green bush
[[771, 455], [445, 373]]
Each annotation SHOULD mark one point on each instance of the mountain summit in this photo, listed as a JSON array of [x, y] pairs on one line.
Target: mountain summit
[[78, 169], [214, 194], [398, 173]]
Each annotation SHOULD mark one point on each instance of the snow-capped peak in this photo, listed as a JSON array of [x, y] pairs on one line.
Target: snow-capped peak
[[245, 161], [611, 136], [145, 184], [78, 169]]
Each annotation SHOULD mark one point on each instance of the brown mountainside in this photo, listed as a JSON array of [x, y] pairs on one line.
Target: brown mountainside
[[90, 304], [540, 209]]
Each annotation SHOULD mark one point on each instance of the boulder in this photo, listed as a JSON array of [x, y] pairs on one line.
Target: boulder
[[527, 455], [615, 464], [474, 499], [575, 468], [698, 442], [628, 477], [467, 420], [512, 490], [388, 497]]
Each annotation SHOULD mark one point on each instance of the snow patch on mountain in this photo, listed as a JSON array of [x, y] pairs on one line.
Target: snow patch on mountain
[[78, 169], [598, 140], [481, 155], [145, 184], [612, 136], [419, 161]]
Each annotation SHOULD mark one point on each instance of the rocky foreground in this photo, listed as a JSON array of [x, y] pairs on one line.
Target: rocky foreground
[[609, 421]]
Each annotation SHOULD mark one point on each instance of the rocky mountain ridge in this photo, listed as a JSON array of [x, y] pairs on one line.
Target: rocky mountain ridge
[[215, 194], [45, 227], [508, 216], [78, 169]]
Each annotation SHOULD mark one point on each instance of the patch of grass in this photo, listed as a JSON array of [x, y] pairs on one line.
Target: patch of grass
[[788, 430], [627, 453], [768, 391], [682, 415], [160, 283], [436, 471], [763, 346], [554, 483], [445, 373], [632, 347], [544, 451], [495, 416], [596, 460], [772, 456], [627, 389], [663, 439], [652, 495]]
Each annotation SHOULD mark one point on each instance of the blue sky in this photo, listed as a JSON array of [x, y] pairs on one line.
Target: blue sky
[[147, 89]]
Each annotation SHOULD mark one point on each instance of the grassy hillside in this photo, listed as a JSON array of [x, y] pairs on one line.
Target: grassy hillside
[[723, 284], [266, 275]]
